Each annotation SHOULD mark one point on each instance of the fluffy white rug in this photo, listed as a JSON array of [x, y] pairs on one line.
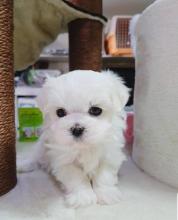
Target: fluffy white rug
[[37, 197]]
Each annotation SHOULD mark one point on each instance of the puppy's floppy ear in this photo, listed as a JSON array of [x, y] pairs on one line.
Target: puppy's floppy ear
[[119, 92], [43, 97]]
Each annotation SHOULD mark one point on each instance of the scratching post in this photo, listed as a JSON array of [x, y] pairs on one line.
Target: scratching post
[[7, 124], [85, 38]]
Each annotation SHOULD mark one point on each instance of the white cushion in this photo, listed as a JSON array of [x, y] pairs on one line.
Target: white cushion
[[156, 92]]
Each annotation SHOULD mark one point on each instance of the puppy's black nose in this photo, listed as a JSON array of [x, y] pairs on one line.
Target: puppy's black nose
[[77, 131]]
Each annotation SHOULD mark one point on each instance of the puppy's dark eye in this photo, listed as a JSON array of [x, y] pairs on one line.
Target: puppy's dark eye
[[61, 112], [95, 111]]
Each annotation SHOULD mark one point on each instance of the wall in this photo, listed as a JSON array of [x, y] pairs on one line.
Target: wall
[[130, 7]]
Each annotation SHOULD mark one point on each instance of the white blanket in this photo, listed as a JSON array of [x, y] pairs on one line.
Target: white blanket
[[37, 197]]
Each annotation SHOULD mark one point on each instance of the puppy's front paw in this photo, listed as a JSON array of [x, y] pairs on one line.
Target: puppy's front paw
[[108, 195], [82, 197], [25, 166]]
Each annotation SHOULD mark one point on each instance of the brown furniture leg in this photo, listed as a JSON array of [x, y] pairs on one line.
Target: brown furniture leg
[[85, 38], [7, 122]]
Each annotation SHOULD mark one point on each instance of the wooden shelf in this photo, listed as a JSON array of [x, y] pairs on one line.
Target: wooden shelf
[[108, 61], [53, 58], [118, 62]]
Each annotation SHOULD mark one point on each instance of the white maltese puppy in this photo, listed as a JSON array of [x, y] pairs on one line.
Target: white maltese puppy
[[82, 141]]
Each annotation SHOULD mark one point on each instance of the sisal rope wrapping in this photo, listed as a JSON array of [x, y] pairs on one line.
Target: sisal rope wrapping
[[7, 122], [85, 38]]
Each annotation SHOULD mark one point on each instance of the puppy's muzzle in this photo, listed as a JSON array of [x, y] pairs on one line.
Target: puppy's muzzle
[[77, 130]]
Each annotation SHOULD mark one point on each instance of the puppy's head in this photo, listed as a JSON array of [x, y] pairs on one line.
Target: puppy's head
[[79, 107]]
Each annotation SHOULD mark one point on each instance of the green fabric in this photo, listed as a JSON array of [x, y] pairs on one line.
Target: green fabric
[[37, 23]]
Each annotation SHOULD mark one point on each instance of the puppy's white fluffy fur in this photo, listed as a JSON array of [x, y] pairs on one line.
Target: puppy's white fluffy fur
[[87, 166]]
